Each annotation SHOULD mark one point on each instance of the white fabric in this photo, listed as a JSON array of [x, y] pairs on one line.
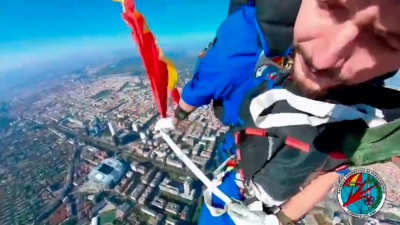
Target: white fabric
[[239, 181], [241, 215], [264, 196], [256, 206], [322, 112], [164, 124], [208, 202]]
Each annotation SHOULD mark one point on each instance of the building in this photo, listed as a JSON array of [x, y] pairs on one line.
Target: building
[[187, 185], [92, 149], [143, 136], [174, 162], [142, 169], [135, 165], [185, 213], [160, 153], [148, 176], [95, 220], [156, 179], [171, 221], [135, 127], [113, 133], [98, 206], [108, 173], [112, 128], [167, 187], [75, 121], [159, 202], [129, 174], [147, 192], [149, 212], [188, 192], [137, 192], [124, 210], [126, 137], [173, 208]]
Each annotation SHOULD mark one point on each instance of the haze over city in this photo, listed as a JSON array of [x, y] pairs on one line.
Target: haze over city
[[77, 117], [42, 32]]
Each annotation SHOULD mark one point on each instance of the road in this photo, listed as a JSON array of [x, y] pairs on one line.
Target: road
[[111, 150]]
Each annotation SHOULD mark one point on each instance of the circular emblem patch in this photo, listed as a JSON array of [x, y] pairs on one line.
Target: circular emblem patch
[[361, 193]]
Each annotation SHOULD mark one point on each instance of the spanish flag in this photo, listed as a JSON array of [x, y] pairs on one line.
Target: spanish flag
[[161, 72]]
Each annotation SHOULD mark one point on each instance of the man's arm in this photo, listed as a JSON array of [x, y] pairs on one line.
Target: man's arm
[[188, 108], [200, 91], [182, 111], [315, 192]]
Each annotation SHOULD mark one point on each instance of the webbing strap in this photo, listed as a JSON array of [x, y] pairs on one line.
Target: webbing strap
[[290, 141], [264, 43], [285, 220], [214, 211]]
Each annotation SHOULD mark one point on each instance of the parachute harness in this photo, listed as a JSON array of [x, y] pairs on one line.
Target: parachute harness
[[197, 172], [211, 185], [236, 209]]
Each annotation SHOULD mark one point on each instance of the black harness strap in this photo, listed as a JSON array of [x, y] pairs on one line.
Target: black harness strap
[[276, 19]]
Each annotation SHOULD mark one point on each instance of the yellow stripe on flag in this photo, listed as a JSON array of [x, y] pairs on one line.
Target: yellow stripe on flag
[[172, 71]]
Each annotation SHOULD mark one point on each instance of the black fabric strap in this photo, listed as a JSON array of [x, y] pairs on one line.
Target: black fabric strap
[[277, 211], [180, 114], [276, 19], [285, 220]]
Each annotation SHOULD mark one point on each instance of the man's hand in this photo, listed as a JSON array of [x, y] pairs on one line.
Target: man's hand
[[165, 124]]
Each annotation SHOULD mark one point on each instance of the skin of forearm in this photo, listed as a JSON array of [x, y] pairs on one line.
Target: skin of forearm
[[311, 195], [188, 108]]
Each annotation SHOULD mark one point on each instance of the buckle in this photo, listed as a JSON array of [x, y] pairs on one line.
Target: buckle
[[221, 168]]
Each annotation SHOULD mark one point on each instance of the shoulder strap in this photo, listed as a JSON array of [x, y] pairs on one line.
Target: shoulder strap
[[276, 19], [275, 73]]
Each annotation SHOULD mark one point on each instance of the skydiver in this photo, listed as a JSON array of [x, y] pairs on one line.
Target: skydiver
[[342, 48], [216, 79]]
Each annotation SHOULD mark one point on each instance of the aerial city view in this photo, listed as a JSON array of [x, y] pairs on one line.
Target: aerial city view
[[87, 150], [80, 111]]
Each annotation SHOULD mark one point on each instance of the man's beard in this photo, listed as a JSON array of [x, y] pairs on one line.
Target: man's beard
[[312, 93], [307, 92]]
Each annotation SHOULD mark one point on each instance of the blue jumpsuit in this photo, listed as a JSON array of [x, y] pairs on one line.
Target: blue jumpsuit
[[226, 73]]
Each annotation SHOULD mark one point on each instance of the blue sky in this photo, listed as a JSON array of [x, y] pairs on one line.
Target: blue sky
[[38, 31], [34, 33]]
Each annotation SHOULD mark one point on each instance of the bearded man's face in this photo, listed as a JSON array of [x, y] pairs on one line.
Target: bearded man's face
[[345, 42]]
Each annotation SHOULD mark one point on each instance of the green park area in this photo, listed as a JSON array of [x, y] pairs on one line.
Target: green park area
[[102, 94], [107, 218]]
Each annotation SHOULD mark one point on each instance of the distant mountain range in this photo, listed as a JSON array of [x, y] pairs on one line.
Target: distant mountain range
[[134, 64]]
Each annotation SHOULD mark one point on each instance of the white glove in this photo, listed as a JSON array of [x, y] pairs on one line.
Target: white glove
[[241, 215], [165, 124]]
